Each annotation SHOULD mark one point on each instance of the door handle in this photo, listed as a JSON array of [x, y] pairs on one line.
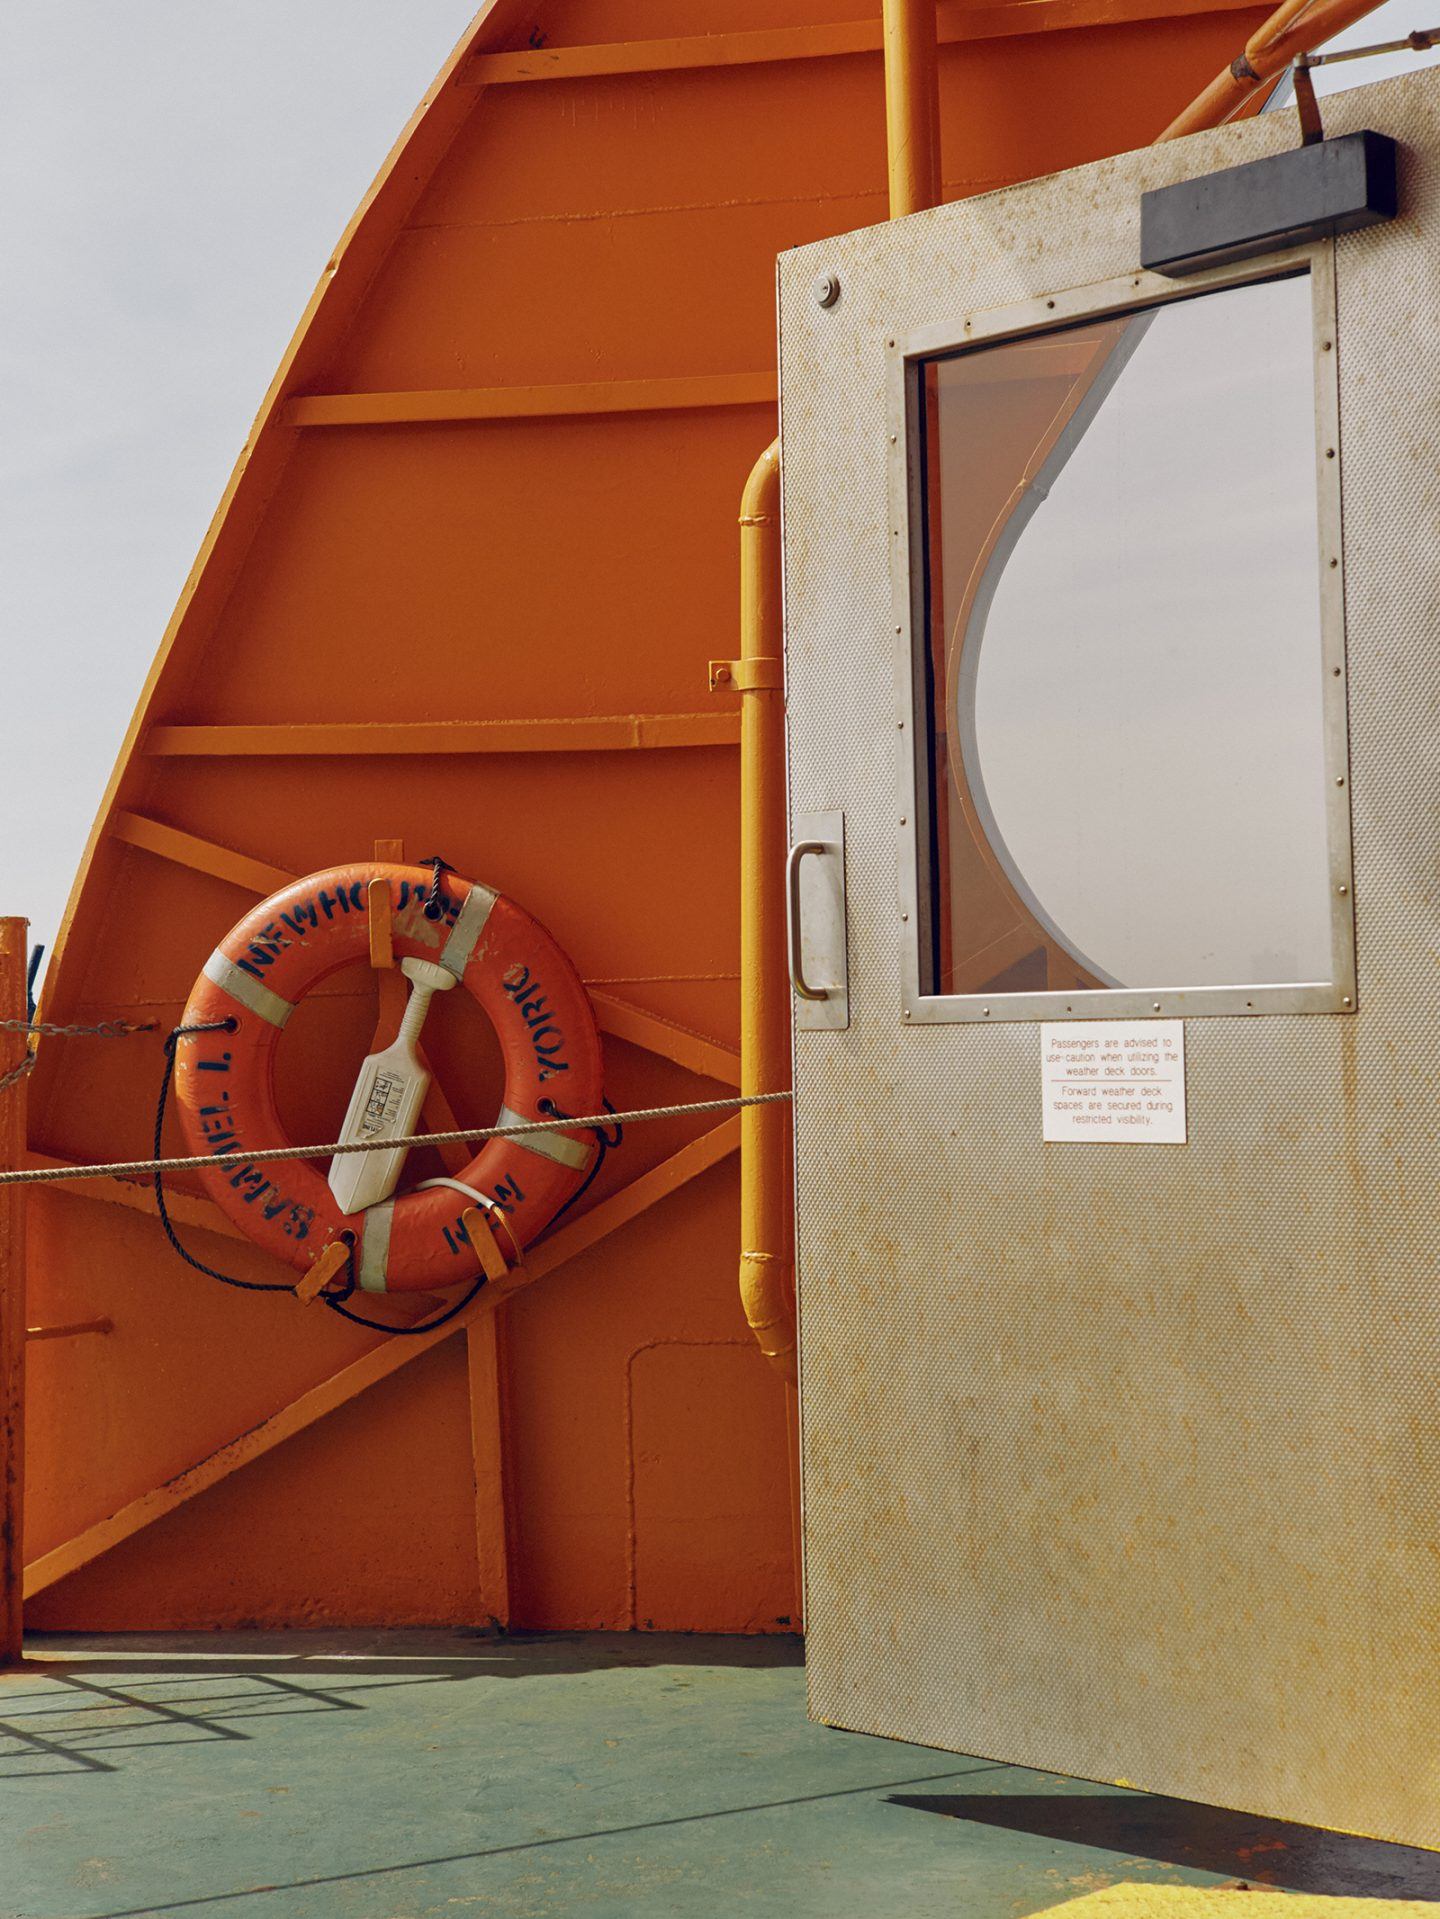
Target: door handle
[[803, 989]]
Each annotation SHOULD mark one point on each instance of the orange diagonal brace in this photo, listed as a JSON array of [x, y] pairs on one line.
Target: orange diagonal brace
[[666, 1039], [660, 1036], [203, 856], [384, 1359], [189, 1209]]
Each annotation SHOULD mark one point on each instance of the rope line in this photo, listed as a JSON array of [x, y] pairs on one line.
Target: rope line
[[607, 1129], [226, 1162], [606, 1141], [606, 1138]]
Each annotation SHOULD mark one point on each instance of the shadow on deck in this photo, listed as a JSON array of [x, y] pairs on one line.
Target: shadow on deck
[[1175, 1832]]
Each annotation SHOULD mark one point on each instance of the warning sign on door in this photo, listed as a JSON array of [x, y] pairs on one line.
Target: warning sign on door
[[1114, 1080]]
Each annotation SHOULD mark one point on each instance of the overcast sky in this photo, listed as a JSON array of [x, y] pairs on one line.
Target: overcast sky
[[173, 176]]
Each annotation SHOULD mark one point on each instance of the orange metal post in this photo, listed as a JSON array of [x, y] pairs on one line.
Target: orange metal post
[[912, 106], [13, 941]]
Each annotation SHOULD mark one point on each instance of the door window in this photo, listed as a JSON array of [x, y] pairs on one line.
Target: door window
[[1128, 745]]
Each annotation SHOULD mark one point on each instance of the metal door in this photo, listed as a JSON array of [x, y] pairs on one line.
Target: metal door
[[1122, 1454]]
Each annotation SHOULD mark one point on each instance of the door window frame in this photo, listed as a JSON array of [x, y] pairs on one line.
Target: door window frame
[[905, 355]]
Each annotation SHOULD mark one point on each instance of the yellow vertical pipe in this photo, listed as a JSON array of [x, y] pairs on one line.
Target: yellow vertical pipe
[[912, 105], [766, 1278], [912, 120]]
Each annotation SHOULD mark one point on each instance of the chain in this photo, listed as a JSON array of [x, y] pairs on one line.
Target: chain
[[17, 1073], [44, 1029]]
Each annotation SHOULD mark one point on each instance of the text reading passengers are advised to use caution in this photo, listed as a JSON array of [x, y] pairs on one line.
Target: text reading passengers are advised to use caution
[[1114, 1080]]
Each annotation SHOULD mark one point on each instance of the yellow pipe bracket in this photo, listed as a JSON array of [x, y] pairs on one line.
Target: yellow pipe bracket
[[747, 676]]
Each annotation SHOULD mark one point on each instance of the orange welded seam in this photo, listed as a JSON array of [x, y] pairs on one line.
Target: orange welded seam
[[1293, 29], [766, 1268]]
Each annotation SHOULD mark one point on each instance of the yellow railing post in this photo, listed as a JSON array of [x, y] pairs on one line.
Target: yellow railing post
[[912, 105], [766, 1278], [767, 1288], [766, 1267]]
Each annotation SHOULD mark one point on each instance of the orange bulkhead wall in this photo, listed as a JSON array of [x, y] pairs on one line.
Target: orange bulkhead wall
[[461, 593]]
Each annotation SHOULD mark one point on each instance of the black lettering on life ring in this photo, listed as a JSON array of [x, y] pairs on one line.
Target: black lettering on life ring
[[545, 1037]]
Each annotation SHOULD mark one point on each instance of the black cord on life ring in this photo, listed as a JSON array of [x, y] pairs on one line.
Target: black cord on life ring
[[607, 1138], [333, 1301], [210, 1272]]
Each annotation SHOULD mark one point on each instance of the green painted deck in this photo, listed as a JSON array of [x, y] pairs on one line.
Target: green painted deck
[[413, 1775]]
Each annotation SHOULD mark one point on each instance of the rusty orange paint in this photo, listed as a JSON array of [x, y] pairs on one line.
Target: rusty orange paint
[[462, 591]]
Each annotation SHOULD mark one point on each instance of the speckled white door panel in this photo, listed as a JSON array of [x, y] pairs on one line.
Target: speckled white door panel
[[1124, 1461]]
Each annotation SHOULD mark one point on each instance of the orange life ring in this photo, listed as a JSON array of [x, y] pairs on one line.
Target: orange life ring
[[536, 1001]]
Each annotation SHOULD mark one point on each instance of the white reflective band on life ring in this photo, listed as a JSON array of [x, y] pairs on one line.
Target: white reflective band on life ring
[[479, 903], [375, 1246], [248, 991], [565, 1152]]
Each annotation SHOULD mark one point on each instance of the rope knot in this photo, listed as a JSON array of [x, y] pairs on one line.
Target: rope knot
[[435, 898]]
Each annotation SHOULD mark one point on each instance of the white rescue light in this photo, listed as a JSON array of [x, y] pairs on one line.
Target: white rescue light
[[386, 1100]]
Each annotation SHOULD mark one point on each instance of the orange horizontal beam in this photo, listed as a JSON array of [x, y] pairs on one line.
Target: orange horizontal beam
[[600, 733], [439, 405], [956, 25], [383, 1359], [672, 55], [202, 856]]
